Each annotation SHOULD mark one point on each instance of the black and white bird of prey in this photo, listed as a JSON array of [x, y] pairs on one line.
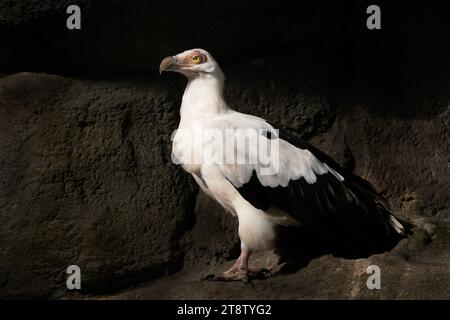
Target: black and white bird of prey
[[264, 176]]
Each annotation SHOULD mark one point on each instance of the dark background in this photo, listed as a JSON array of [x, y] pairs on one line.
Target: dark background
[[85, 124]]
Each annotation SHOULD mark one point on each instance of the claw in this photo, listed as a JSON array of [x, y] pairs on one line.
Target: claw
[[227, 277], [240, 271], [259, 273], [245, 276]]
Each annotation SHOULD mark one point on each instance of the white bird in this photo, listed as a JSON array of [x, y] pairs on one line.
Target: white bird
[[267, 177]]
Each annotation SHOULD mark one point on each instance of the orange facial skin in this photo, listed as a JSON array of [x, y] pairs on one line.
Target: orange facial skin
[[195, 58]]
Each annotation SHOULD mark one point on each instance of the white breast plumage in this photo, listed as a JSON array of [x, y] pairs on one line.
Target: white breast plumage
[[267, 177]]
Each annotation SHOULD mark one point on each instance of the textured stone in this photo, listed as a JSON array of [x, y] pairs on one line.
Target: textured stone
[[86, 179], [85, 171], [213, 238], [416, 269]]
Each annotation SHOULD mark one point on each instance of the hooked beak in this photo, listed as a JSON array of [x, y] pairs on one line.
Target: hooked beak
[[168, 64]]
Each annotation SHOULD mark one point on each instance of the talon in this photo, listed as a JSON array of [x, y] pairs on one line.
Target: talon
[[266, 272], [228, 276], [244, 276], [259, 274], [240, 271]]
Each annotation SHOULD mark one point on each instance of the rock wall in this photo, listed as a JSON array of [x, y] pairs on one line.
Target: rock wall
[[85, 125], [87, 180]]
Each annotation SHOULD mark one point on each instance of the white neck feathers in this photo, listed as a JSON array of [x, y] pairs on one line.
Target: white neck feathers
[[203, 96]]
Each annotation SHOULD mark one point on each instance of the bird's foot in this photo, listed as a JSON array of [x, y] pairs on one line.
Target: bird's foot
[[259, 273], [240, 275]]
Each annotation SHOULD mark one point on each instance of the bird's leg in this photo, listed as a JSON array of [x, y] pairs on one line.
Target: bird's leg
[[241, 264], [240, 271]]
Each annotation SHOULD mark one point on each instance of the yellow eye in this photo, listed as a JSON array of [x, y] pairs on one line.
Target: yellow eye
[[197, 59]]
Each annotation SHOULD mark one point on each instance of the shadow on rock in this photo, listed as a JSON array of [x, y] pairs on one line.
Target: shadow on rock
[[296, 247]]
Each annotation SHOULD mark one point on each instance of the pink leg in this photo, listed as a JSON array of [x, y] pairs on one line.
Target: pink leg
[[240, 271]]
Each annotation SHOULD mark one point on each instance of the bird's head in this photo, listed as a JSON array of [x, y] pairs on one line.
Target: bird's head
[[191, 63]]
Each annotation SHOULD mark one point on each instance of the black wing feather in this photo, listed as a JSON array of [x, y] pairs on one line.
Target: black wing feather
[[348, 210]]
